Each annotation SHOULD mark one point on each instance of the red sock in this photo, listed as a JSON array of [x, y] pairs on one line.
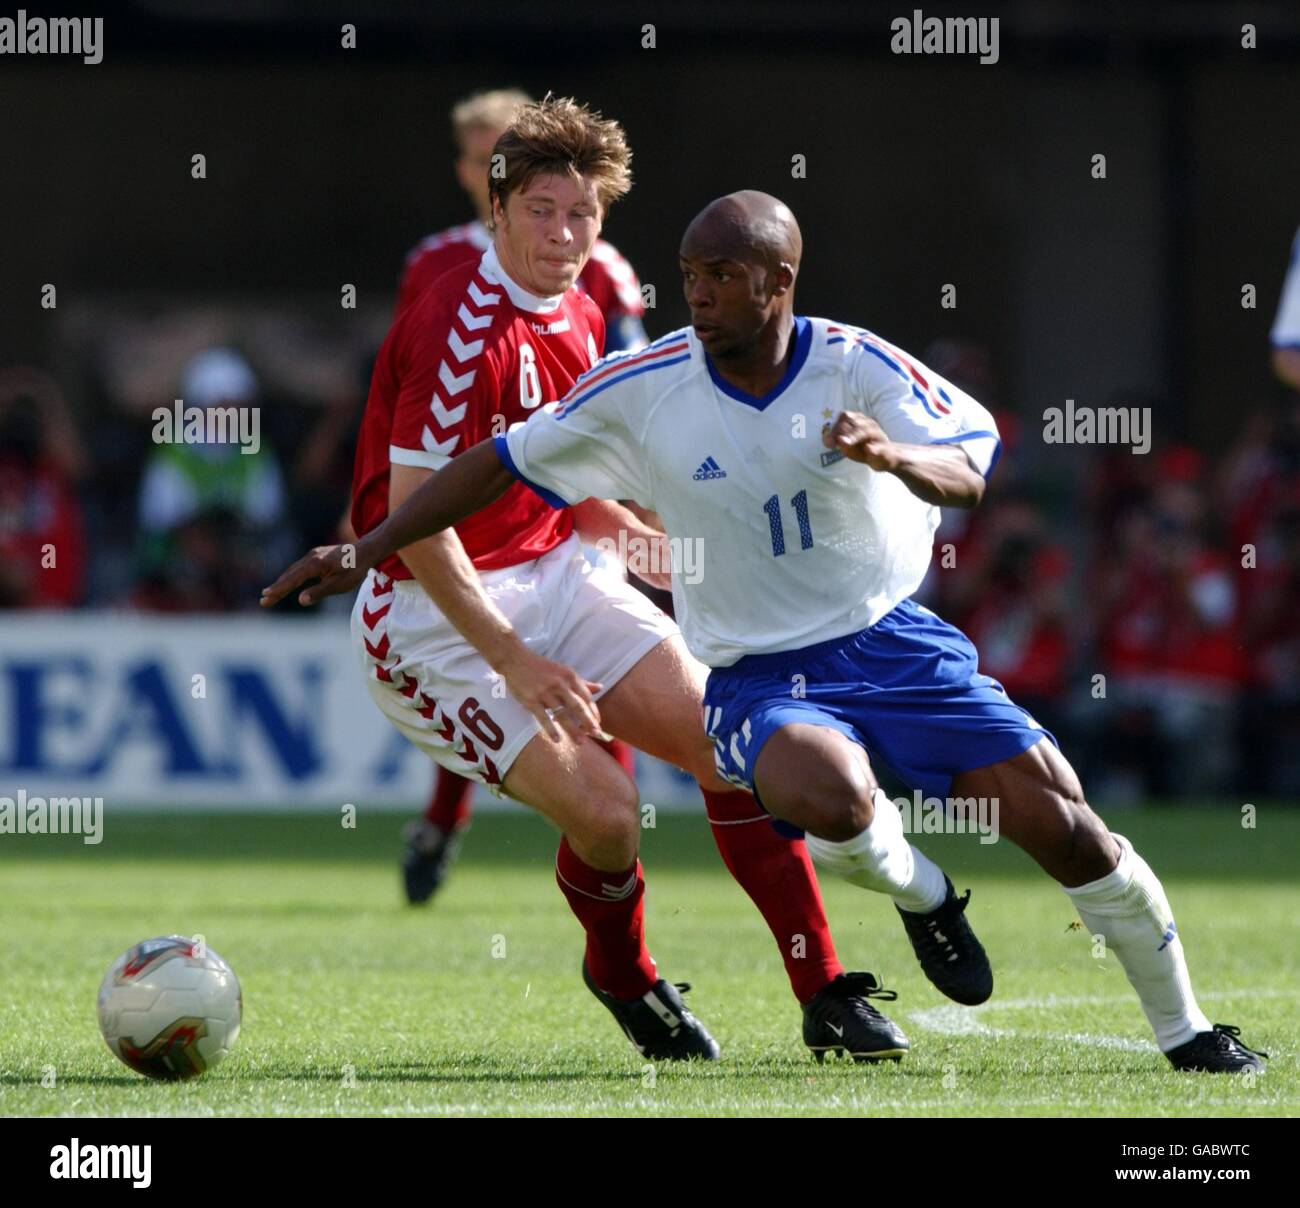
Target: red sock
[[610, 907], [623, 753], [449, 804], [777, 873]]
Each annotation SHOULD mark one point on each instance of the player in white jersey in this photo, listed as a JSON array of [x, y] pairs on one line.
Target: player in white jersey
[[821, 664]]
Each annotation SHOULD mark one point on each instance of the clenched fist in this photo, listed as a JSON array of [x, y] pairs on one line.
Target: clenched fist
[[860, 438]]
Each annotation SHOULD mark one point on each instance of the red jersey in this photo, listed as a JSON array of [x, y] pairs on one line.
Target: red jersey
[[464, 362], [39, 508], [607, 279]]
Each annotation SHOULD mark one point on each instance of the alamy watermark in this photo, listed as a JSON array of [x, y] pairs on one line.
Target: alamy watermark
[[949, 816], [24, 815], [921, 35], [24, 35], [1071, 425], [682, 556], [228, 425], [88, 1160]]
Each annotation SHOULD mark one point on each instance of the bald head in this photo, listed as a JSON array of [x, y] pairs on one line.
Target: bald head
[[746, 227], [739, 258]]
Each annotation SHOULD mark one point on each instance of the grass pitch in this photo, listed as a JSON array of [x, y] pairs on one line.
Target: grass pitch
[[355, 1004]]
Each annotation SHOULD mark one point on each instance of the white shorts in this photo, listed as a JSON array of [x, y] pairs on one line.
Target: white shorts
[[440, 692]]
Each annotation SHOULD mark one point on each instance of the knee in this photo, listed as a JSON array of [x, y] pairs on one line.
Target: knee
[[606, 831], [837, 803]]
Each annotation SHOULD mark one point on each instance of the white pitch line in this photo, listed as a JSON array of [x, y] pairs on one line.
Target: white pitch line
[[966, 1021], [953, 1020]]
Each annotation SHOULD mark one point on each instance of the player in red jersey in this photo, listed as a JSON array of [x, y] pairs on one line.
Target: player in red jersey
[[477, 122], [481, 643]]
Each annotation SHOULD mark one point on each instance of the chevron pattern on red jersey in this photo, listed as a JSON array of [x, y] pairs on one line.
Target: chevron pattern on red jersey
[[456, 371]]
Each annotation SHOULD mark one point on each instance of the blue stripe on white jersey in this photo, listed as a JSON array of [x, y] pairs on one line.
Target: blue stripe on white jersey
[[936, 401], [618, 368], [622, 354]]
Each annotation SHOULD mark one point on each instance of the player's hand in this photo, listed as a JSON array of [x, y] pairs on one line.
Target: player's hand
[[860, 438], [336, 566], [553, 693]]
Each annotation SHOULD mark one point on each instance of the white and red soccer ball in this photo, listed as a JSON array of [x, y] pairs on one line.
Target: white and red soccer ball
[[170, 1007]]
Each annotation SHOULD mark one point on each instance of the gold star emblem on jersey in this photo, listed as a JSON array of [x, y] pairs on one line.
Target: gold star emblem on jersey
[[827, 413]]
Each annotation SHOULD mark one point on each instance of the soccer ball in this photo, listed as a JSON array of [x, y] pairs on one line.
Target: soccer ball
[[170, 1007]]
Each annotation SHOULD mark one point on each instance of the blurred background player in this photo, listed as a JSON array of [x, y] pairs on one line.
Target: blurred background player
[[212, 515], [1285, 335], [42, 460], [477, 122]]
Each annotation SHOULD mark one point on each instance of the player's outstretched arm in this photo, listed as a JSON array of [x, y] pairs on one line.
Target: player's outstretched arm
[[939, 474], [466, 485]]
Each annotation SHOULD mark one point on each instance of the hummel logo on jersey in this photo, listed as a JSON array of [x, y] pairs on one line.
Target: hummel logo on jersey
[[550, 329], [709, 469]]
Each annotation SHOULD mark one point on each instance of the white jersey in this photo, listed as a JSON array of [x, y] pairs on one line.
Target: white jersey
[[794, 543], [1286, 326]]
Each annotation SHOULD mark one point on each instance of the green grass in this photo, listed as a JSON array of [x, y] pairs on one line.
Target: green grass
[[336, 972]]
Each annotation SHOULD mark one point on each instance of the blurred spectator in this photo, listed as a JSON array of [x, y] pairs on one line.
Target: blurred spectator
[[321, 476], [1258, 480], [212, 515], [42, 546], [1271, 628], [1008, 593], [1118, 483], [1170, 642], [969, 366]]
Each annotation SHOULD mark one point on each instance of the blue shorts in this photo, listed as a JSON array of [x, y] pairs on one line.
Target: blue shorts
[[908, 690]]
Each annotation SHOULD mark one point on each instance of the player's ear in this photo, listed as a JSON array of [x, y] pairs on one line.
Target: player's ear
[[498, 211], [782, 279]]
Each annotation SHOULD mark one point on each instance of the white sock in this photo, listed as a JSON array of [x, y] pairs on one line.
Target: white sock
[[1129, 907], [882, 859]]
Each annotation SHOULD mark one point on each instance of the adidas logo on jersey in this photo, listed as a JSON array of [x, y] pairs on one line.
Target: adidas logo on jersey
[[709, 469]]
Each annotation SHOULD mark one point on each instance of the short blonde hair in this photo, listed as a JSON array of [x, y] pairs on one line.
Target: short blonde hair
[[493, 110], [558, 137]]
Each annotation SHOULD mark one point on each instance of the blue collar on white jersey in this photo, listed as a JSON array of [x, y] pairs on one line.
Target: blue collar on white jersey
[[802, 343]]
